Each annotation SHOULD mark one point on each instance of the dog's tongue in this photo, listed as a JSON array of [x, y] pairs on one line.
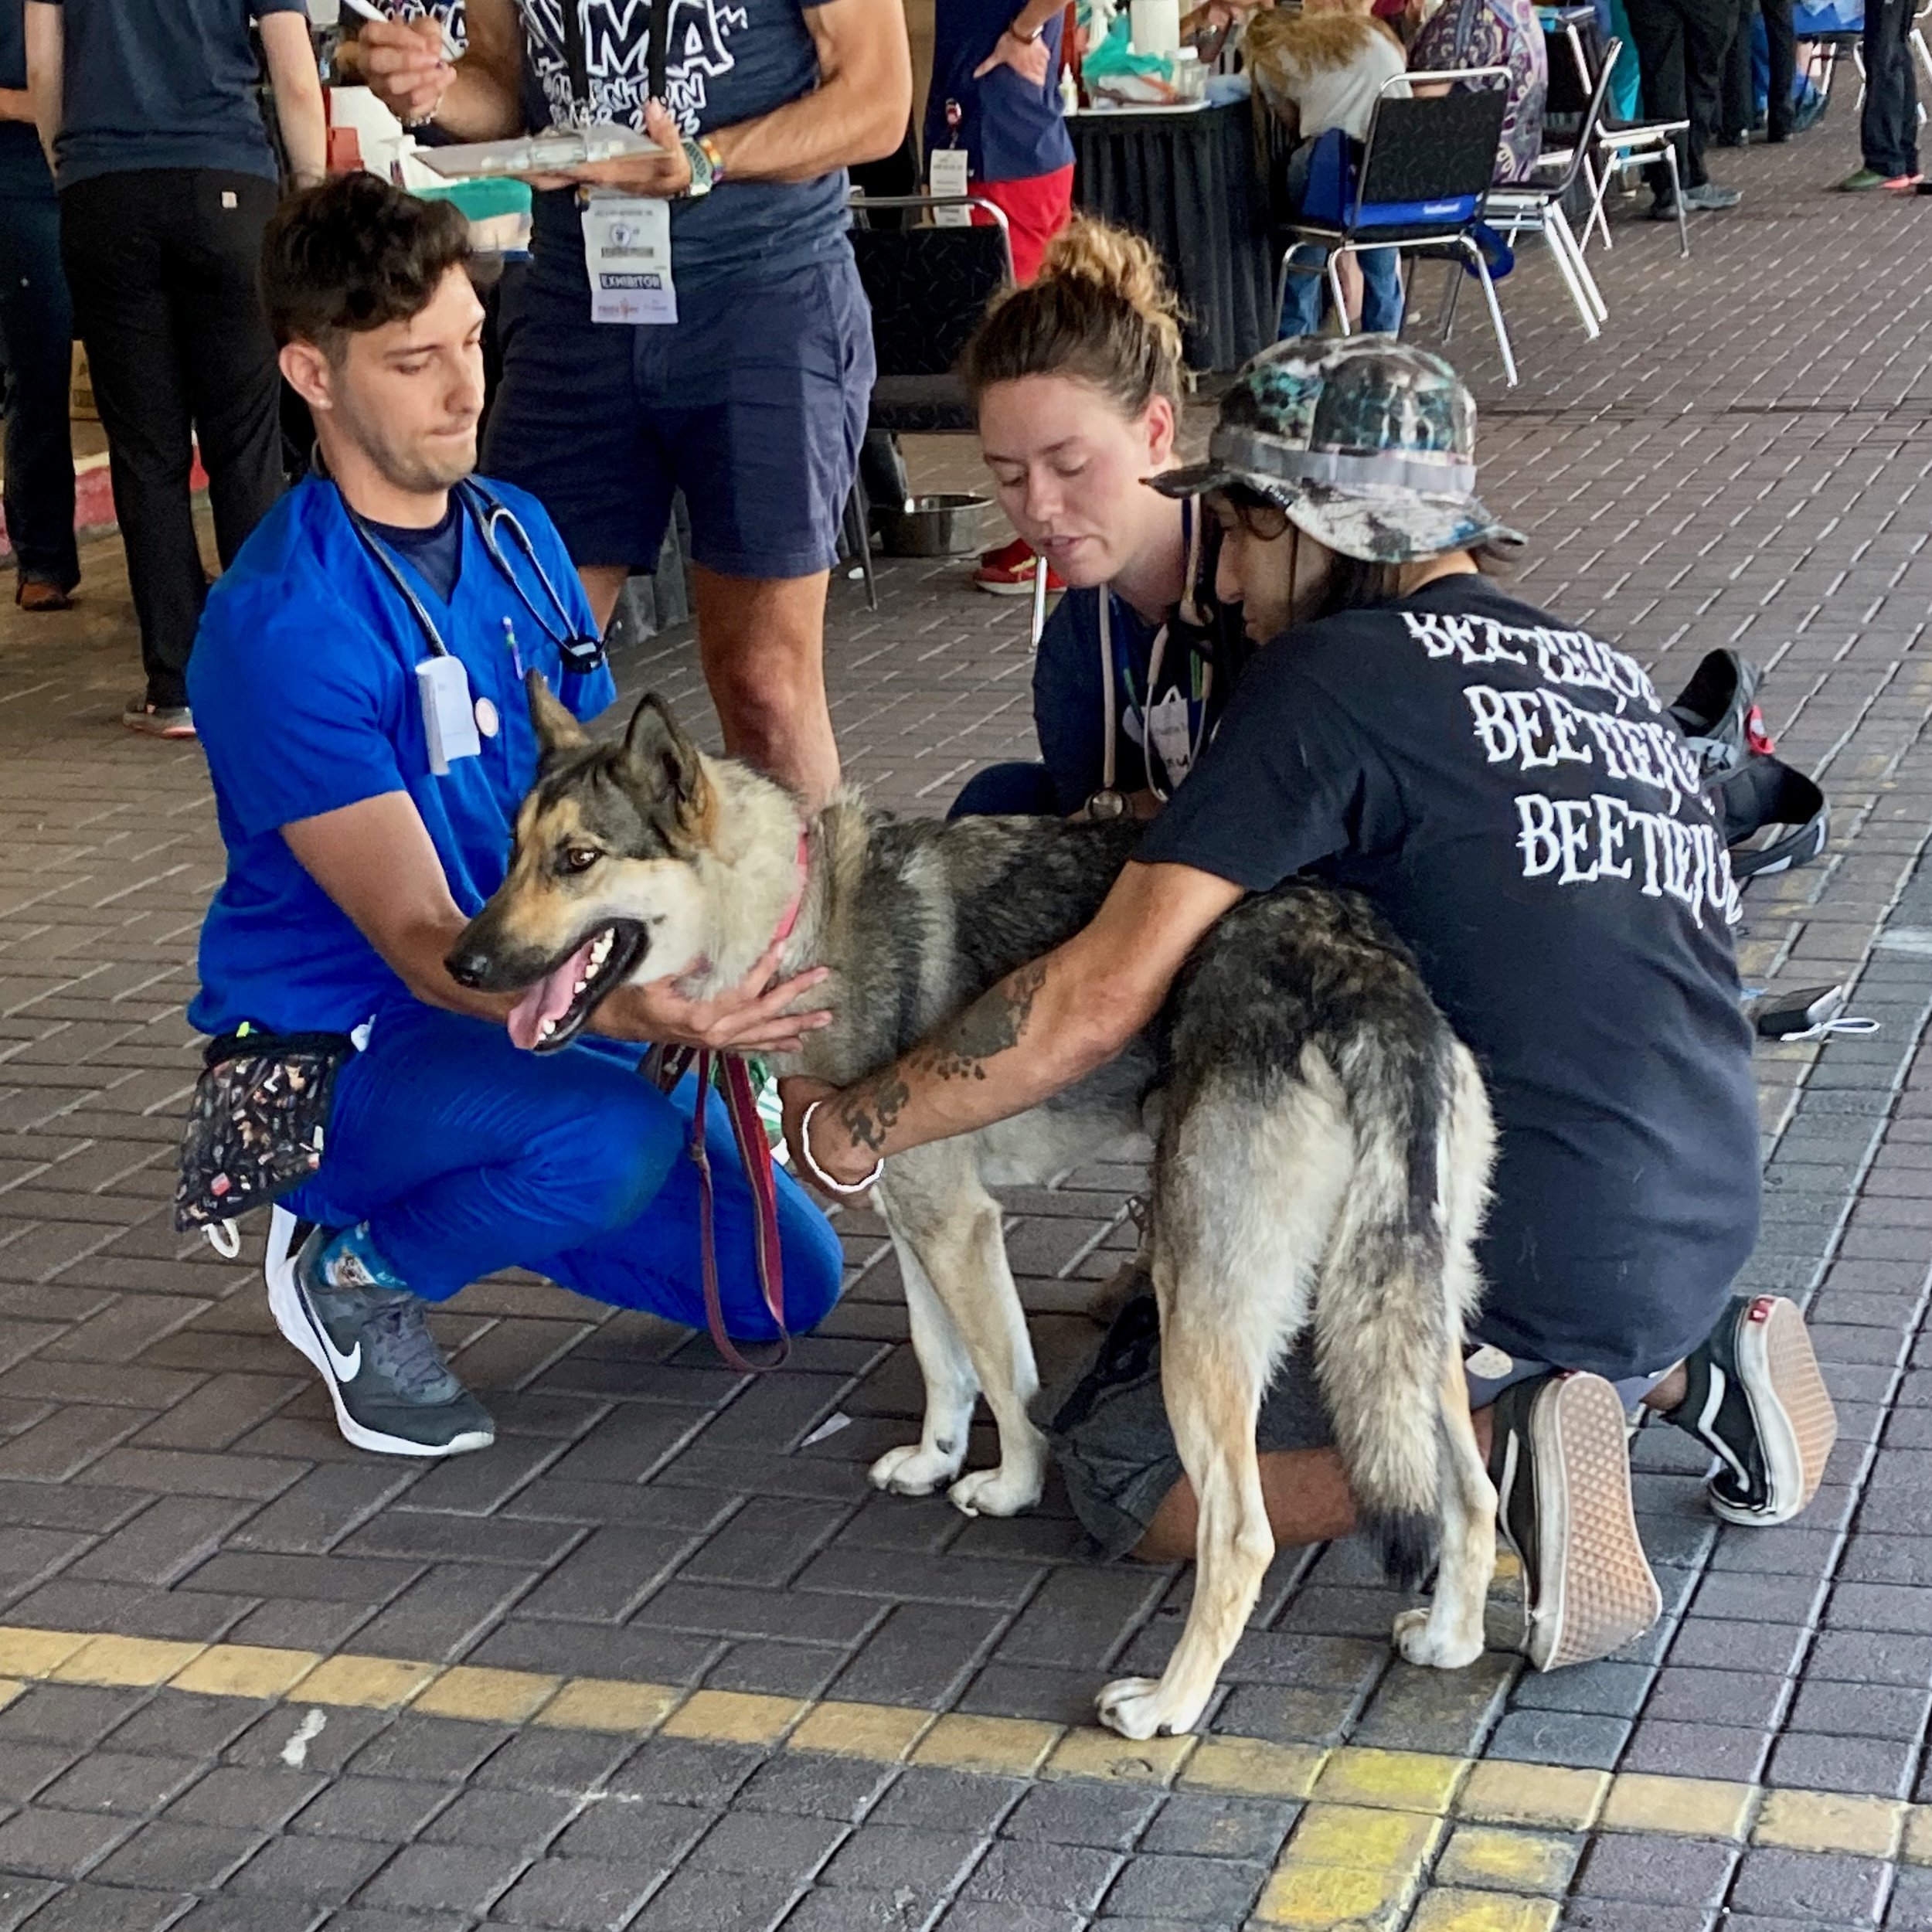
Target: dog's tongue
[[549, 999]]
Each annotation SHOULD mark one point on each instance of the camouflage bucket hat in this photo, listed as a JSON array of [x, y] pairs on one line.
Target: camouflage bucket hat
[[1367, 444]]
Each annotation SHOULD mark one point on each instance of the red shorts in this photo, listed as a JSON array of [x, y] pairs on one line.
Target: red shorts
[[1036, 210]]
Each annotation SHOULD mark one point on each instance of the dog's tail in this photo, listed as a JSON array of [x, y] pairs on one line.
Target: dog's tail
[[1385, 1316]]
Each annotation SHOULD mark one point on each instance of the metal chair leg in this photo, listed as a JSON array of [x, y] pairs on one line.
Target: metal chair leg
[[1561, 237], [1041, 572], [1332, 272], [1495, 310], [1598, 187], [858, 520], [1450, 293], [1677, 199]]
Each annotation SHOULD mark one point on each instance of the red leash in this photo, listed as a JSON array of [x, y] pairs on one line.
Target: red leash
[[668, 1065]]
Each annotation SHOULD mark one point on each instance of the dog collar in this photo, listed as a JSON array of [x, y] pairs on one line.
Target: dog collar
[[791, 918]]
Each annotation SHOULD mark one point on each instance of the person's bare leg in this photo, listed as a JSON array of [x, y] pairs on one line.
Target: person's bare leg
[[1351, 288], [601, 582], [762, 643], [1305, 1492]]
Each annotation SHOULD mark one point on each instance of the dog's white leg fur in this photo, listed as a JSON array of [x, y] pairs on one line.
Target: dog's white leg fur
[[1448, 1633], [918, 1468], [1247, 1200], [937, 1207]]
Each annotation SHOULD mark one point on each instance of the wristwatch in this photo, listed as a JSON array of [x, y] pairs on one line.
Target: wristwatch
[[1025, 39], [706, 165]]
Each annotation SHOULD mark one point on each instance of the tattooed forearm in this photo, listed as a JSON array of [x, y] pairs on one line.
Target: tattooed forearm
[[992, 1025], [869, 1110]]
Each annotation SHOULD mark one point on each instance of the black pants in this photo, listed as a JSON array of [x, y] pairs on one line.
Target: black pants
[[1680, 48], [162, 267], [36, 344], [1737, 106], [1889, 128], [1782, 46]]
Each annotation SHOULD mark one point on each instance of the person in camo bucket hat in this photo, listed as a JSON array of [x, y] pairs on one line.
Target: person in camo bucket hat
[[1508, 793], [1369, 445]]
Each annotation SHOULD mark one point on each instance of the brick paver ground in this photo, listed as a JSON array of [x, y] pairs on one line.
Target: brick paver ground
[[1741, 459]]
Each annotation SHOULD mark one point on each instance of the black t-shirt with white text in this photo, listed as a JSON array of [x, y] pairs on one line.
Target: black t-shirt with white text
[[1508, 793]]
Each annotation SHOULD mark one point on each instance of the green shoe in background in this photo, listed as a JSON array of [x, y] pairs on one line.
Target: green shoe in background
[[1860, 179]]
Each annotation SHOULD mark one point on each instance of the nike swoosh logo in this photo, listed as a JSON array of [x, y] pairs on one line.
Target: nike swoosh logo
[[345, 1367]]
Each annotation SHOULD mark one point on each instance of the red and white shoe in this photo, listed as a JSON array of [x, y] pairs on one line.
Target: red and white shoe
[[1008, 572], [1903, 184]]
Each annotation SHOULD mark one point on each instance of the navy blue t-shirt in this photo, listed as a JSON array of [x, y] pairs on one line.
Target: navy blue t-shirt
[[162, 84], [1510, 795], [1011, 129], [23, 168], [435, 554], [1203, 656], [728, 61]]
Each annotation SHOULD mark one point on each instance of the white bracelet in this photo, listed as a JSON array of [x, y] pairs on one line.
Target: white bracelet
[[818, 1173]]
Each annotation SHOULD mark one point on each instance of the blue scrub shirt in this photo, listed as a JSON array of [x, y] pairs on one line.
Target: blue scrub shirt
[[304, 688]]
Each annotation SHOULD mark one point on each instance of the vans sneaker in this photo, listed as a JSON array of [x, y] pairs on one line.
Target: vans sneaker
[[1757, 1399], [367, 1339], [1559, 1459]]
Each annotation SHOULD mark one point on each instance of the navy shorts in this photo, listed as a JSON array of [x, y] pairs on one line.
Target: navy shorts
[[754, 403]]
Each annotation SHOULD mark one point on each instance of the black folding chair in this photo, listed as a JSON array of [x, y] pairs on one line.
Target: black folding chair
[[1427, 165], [1579, 64], [1535, 207], [928, 287]]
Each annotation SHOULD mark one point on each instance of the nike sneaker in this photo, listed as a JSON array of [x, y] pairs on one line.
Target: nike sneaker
[[367, 1337]]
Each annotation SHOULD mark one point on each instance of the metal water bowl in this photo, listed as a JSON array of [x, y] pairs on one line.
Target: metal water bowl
[[946, 523]]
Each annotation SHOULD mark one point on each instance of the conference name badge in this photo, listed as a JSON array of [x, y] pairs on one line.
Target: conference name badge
[[946, 175], [627, 249]]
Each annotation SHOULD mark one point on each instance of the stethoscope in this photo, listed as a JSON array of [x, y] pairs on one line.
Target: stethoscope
[[581, 652], [1110, 801]]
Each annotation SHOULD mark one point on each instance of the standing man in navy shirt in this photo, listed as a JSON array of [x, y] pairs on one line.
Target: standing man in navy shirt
[[692, 318], [166, 178], [995, 93], [36, 344]]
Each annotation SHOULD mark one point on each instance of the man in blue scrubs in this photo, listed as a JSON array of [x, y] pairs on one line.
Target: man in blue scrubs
[[352, 864]]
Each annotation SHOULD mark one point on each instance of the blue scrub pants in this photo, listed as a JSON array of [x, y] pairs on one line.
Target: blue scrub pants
[[1022, 790], [465, 1155]]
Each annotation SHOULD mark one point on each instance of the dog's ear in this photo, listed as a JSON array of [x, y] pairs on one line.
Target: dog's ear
[[556, 730], [658, 752]]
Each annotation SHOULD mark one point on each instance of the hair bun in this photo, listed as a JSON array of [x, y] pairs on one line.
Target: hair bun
[[1120, 265]]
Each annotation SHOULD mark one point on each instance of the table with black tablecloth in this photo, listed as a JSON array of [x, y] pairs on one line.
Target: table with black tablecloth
[[1187, 180]]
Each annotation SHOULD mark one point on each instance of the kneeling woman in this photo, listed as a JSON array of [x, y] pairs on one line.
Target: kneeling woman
[[1510, 796], [1077, 380]]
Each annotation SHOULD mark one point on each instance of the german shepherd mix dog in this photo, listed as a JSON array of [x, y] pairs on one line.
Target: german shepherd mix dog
[[1324, 1141]]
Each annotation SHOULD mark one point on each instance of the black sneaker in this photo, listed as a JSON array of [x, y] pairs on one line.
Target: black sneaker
[[393, 1391], [1559, 1459], [1756, 1397]]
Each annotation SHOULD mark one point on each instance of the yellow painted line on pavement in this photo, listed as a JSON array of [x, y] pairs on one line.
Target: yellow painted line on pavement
[[1385, 1839]]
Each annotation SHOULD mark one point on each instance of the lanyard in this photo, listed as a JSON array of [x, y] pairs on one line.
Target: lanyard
[[581, 654], [1191, 528], [577, 62]]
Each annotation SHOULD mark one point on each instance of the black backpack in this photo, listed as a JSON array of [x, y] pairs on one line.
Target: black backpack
[[1751, 788]]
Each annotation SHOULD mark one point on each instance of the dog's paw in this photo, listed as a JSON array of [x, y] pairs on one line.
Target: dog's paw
[[998, 1492], [1436, 1649], [1136, 1707], [914, 1471]]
